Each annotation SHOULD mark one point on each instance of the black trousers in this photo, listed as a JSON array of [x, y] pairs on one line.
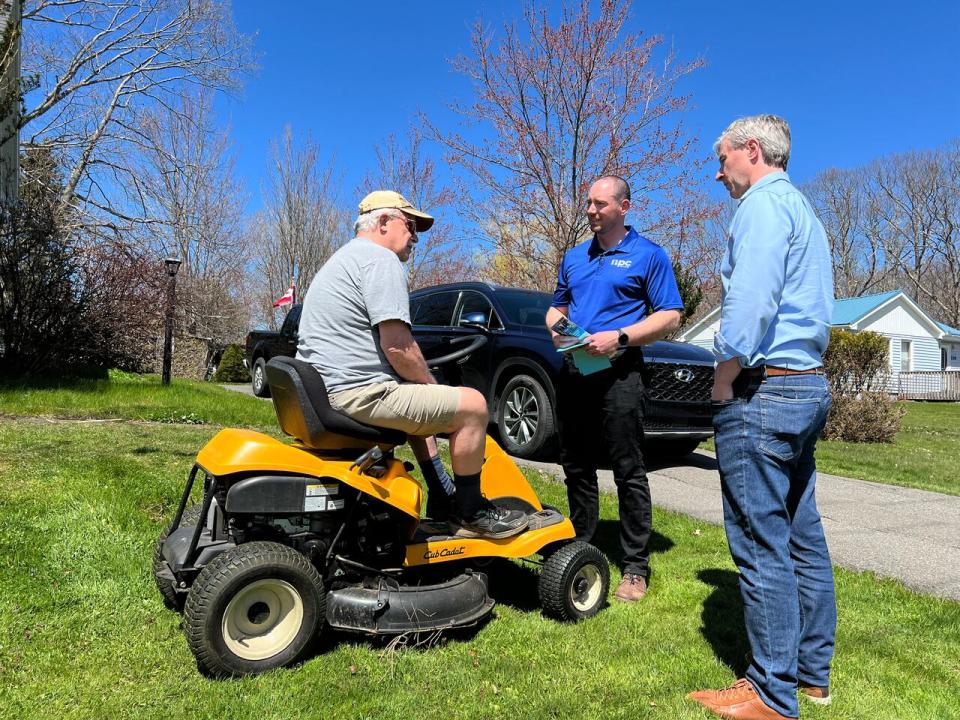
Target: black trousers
[[605, 410]]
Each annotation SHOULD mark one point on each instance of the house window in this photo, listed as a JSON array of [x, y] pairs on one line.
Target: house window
[[906, 361]]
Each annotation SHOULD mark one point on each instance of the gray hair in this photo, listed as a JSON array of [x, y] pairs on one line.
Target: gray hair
[[369, 220], [771, 131]]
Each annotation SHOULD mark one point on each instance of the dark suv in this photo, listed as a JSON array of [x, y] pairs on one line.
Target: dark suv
[[517, 368]]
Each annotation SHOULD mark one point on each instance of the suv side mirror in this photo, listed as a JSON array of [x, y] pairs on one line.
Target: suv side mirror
[[475, 321]]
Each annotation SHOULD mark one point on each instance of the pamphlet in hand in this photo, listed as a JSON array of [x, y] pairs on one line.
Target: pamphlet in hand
[[584, 361], [566, 326]]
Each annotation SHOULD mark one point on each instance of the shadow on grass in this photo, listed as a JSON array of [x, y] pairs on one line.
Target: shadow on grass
[[723, 619], [92, 380], [513, 584]]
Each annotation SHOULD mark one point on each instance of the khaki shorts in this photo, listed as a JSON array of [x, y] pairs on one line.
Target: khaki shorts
[[414, 408]]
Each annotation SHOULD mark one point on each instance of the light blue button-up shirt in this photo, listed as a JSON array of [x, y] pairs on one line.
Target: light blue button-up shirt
[[777, 280]]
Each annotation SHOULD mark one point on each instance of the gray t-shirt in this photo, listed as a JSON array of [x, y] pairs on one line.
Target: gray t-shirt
[[361, 285]]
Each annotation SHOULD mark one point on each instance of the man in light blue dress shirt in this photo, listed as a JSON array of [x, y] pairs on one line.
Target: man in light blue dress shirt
[[770, 405]]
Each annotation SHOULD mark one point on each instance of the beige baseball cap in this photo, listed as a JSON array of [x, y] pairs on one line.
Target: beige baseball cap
[[380, 199]]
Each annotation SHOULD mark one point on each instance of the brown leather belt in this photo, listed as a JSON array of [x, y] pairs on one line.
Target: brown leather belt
[[774, 371]]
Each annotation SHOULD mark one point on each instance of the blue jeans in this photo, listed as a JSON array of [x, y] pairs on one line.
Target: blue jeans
[[765, 438]]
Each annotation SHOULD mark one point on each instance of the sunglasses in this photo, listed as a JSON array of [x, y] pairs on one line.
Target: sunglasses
[[411, 224]]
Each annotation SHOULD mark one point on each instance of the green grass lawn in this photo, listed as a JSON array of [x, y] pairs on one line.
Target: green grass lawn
[[84, 634], [136, 397], [924, 455]]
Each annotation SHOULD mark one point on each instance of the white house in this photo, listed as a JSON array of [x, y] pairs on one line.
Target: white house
[[917, 342]]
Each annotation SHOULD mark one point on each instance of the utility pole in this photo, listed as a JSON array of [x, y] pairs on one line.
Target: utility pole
[[10, 32]]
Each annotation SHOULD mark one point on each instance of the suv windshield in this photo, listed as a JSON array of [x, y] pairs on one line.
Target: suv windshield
[[525, 307]]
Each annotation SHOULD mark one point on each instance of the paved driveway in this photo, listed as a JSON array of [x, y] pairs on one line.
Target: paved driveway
[[912, 535]]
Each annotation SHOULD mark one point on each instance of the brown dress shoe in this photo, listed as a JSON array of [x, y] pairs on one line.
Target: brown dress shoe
[[632, 588], [818, 695], [739, 701]]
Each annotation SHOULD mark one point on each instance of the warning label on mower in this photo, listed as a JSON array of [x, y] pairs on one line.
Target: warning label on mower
[[319, 498], [316, 490]]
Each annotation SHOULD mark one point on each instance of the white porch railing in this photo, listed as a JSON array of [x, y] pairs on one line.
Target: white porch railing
[[927, 385]]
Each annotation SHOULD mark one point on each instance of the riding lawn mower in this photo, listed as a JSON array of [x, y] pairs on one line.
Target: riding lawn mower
[[292, 539]]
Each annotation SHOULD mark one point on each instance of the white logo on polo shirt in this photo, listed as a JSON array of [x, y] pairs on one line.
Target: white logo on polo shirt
[[621, 263]]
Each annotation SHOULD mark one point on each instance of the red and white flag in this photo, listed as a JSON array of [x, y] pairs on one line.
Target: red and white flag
[[288, 297]]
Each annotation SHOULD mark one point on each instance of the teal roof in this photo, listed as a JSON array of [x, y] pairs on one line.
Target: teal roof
[[947, 329], [849, 310]]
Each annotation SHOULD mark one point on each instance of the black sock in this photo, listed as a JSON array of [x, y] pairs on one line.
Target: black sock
[[468, 497], [436, 477]]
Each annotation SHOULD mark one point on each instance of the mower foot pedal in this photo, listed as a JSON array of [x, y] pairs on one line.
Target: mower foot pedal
[[544, 518]]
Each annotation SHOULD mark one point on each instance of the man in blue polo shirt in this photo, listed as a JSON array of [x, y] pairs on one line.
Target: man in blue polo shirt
[[620, 288]]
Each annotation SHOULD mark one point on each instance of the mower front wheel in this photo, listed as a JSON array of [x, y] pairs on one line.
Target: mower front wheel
[[574, 582], [254, 608]]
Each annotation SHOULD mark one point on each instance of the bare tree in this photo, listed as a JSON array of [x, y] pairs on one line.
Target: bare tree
[[894, 224], [564, 104], [439, 256], [97, 65], [920, 216], [302, 223], [187, 184], [849, 213]]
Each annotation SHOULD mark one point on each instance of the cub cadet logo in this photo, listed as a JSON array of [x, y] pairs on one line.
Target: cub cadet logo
[[446, 552], [621, 263]]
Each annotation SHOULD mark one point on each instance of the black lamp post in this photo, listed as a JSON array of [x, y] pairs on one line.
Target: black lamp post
[[172, 265]]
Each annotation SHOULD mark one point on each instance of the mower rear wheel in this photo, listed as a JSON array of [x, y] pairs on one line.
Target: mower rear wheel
[[256, 607], [574, 582], [171, 598]]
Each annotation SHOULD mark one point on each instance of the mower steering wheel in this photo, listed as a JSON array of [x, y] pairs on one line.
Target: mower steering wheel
[[475, 343]]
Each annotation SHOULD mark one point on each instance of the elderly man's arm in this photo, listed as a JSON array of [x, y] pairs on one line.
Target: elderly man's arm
[[403, 353]]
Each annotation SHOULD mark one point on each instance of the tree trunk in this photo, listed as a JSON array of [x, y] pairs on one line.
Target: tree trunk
[[10, 30]]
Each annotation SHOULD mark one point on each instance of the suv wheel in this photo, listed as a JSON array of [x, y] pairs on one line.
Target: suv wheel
[[524, 416], [259, 379]]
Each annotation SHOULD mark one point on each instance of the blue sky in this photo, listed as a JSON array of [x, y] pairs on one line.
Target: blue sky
[[855, 79]]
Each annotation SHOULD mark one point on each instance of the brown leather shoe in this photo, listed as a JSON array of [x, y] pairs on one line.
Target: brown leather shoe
[[633, 587], [818, 695], [739, 701]]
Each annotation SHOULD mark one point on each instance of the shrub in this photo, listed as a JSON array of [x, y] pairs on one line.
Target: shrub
[[856, 368], [868, 418], [231, 367], [70, 302]]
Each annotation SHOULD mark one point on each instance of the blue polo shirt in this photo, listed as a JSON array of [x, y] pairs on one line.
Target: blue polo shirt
[[608, 290]]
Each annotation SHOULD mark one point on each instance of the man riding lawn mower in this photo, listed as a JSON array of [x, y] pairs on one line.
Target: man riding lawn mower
[[291, 539]]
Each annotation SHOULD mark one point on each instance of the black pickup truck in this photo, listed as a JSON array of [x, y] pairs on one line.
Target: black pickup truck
[[261, 345]]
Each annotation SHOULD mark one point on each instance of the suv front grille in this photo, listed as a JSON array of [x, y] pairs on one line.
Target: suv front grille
[[666, 381]]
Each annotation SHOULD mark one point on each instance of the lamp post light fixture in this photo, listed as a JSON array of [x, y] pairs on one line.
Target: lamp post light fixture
[[172, 265]]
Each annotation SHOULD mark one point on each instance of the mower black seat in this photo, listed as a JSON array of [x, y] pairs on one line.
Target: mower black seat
[[304, 412]]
